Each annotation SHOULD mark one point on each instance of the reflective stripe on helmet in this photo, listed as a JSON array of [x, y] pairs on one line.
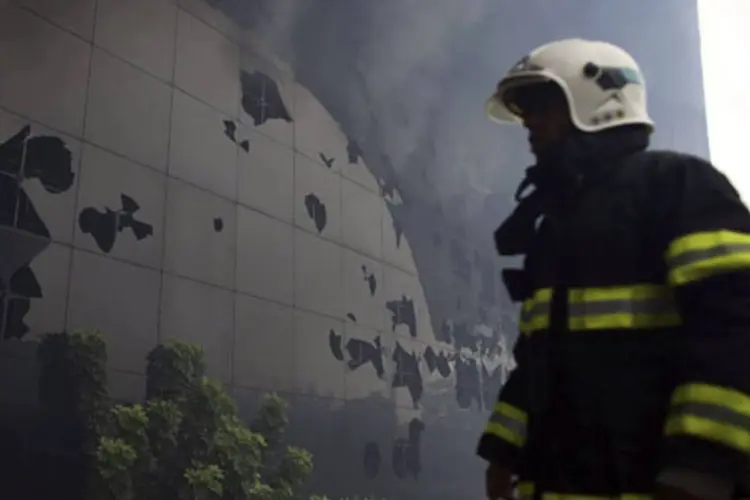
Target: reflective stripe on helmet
[[701, 255]]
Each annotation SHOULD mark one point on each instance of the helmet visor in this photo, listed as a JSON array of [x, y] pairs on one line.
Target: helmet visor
[[511, 99], [534, 98]]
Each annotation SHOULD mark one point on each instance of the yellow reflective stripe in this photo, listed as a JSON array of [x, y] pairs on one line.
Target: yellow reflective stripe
[[535, 311], [701, 255], [705, 240], [712, 394], [708, 429], [526, 492], [640, 306], [710, 412], [573, 496], [508, 423], [625, 321], [503, 408], [629, 292], [499, 430], [622, 307]]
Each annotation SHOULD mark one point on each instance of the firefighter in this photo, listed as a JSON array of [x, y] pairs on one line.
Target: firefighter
[[633, 376]]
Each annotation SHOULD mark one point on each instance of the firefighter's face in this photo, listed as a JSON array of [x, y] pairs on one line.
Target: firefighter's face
[[545, 114]]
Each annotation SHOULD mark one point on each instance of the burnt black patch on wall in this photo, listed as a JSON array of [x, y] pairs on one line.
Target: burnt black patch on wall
[[407, 373], [353, 151], [362, 352], [444, 333], [468, 385], [261, 98], [15, 302], [430, 357], [372, 283], [443, 365], [492, 382], [437, 361], [398, 229], [316, 210], [402, 313], [460, 335], [372, 460], [105, 225], [407, 460], [461, 264], [351, 316], [388, 182], [334, 343], [24, 157], [230, 130], [328, 162], [490, 345], [218, 224], [463, 339]]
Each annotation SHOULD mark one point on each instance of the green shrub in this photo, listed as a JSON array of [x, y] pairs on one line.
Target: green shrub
[[173, 370], [73, 389], [185, 442]]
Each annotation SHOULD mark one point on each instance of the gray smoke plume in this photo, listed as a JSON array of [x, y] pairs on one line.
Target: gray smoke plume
[[407, 79], [402, 76]]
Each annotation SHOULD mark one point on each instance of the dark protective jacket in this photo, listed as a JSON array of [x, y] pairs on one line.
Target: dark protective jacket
[[634, 352]]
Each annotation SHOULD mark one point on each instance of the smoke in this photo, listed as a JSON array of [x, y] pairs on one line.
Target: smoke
[[402, 76], [408, 78]]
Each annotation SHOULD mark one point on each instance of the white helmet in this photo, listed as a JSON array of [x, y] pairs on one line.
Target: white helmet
[[603, 84]]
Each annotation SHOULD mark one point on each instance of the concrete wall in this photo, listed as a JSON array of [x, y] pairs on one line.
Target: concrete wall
[[307, 189]]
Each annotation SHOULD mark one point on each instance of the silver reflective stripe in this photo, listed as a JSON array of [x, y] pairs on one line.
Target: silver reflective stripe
[[512, 424], [714, 413], [524, 491], [656, 305], [538, 309], [692, 256], [698, 484]]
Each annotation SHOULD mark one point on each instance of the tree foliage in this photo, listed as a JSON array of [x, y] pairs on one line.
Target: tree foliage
[[185, 442]]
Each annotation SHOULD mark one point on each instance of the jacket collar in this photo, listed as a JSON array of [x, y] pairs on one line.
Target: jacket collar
[[582, 159]]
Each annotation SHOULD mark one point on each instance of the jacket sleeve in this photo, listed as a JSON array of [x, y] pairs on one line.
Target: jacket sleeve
[[707, 257], [505, 435]]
